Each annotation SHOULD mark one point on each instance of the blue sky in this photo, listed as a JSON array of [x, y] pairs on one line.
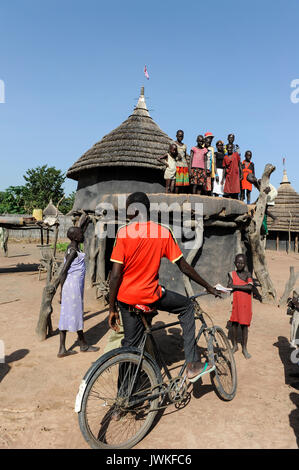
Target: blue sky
[[73, 71]]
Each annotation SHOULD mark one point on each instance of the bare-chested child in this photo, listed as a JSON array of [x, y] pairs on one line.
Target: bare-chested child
[[169, 160]]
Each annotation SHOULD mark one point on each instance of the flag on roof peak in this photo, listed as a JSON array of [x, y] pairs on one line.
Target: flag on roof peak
[[146, 73]]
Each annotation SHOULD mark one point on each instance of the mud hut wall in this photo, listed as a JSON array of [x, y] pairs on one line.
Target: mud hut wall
[[95, 183], [213, 261]]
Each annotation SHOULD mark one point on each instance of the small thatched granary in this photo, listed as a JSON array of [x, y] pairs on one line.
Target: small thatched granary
[[283, 231], [51, 210], [125, 161]]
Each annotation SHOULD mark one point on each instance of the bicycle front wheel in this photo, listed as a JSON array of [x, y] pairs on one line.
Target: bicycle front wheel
[[224, 378], [117, 409]]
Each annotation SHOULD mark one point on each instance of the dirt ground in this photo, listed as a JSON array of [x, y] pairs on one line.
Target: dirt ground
[[38, 390]]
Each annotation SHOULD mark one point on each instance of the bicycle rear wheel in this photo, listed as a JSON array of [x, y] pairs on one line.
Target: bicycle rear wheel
[[115, 387], [224, 378]]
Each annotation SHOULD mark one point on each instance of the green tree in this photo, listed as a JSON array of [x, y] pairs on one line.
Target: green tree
[[67, 204], [12, 200], [42, 184]]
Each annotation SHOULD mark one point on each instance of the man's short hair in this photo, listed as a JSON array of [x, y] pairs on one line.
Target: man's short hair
[[140, 198]]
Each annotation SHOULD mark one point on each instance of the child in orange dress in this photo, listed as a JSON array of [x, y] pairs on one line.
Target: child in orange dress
[[241, 283], [247, 167]]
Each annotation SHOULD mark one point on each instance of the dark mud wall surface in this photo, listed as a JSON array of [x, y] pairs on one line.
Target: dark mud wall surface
[[213, 261]]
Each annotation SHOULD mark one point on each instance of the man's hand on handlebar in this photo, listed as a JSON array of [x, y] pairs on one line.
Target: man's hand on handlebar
[[113, 319]]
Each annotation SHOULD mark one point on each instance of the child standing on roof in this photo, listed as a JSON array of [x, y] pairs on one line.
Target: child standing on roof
[[182, 173], [241, 283], [197, 168], [169, 160], [247, 167]]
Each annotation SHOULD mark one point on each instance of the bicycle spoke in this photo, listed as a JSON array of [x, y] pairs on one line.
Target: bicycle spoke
[[109, 394]]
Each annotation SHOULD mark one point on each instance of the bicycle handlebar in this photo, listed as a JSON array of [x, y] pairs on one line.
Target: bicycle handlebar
[[199, 295]]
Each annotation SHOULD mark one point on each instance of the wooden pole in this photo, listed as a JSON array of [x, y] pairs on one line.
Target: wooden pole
[[258, 252], [277, 241], [296, 242]]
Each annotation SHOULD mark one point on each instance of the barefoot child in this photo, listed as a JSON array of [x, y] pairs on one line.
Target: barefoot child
[[241, 283], [182, 174], [247, 167], [197, 169], [169, 160], [71, 297]]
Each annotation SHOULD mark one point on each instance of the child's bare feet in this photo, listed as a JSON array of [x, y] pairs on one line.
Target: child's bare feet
[[66, 353], [246, 354]]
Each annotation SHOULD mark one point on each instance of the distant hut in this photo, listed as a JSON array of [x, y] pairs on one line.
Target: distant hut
[[283, 231], [51, 210], [125, 161]]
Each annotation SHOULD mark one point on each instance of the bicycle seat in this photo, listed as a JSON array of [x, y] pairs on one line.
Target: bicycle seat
[[145, 309]]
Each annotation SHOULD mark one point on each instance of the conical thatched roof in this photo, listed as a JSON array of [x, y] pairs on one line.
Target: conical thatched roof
[[137, 142], [286, 208], [51, 210]]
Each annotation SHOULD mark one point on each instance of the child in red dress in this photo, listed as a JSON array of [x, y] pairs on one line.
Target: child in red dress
[[247, 167], [241, 283]]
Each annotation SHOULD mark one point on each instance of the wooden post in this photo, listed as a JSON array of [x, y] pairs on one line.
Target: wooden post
[[199, 229], [277, 241], [46, 305], [258, 252], [296, 242], [5, 242]]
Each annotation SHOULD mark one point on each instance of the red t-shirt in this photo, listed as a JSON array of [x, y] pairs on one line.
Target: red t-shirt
[[139, 246]]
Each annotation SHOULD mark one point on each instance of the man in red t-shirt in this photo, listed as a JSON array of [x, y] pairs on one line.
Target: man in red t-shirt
[[136, 256]]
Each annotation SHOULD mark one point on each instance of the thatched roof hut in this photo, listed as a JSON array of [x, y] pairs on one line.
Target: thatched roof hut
[[125, 161], [51, 210], [137, 142], [285, 227]]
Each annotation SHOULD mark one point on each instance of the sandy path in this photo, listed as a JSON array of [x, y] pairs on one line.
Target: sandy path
[[37, 390]]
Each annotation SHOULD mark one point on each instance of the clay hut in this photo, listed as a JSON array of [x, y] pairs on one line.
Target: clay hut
[[283, 231], [125, 161]]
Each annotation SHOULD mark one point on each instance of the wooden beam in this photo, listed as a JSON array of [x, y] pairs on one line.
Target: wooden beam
[[258, 252]]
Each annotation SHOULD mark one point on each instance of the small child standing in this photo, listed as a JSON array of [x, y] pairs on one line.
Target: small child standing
[[247, 167], [169, 160], [182, 173], [197, 168], [241, 283], [71, 297]]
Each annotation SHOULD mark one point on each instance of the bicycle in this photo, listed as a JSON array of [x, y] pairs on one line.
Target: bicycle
[[129, 381]]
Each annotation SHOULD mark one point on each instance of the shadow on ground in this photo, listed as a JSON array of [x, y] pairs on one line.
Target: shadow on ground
[[95, 333], [13, 357], [20, 268], [290, 360]]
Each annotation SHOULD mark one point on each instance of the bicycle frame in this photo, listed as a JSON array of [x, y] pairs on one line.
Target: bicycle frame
[[148, 333]]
